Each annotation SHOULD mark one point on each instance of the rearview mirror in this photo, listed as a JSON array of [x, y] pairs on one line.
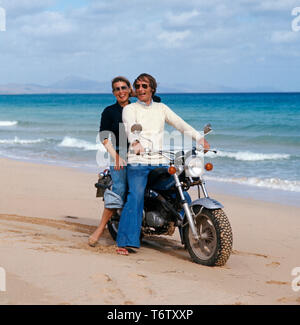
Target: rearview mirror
[[207, 128]]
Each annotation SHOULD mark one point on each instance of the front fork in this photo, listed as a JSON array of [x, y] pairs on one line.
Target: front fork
[[186, 208]]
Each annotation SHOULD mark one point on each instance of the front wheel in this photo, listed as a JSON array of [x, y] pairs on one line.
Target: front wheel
[[215, 244]]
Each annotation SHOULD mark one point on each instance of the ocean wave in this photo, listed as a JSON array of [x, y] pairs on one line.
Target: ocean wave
[[257, 139], [287, 140], [272, 183], [240, 155], [16, 140], [248, 156], [8, 123], [70, 142]]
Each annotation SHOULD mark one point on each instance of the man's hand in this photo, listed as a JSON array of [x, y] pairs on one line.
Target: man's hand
[[204, 144], [137, 147]]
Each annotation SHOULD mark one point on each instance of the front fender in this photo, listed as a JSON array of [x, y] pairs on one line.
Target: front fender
[[208, 203]]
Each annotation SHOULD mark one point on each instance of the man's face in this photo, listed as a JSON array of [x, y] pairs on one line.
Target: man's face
[[121, 92], [144, 91]]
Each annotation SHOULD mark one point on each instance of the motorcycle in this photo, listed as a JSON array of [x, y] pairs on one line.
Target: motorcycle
[[204, 228]]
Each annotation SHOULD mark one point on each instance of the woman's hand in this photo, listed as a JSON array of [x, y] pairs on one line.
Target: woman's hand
[[120, 163]]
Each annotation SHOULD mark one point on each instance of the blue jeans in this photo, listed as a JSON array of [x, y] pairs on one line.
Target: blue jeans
[[132, 214], [119, 178]]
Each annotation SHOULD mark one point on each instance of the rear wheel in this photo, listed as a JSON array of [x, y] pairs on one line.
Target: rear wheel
[[113, 225], [215, 244]]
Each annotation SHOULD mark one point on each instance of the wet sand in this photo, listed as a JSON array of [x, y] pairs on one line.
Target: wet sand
[[48, 212]]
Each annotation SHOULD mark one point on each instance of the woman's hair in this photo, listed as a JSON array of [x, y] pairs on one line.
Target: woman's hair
[[149, 78], [120, 78]]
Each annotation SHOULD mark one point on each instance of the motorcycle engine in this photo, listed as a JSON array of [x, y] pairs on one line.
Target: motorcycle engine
[[154, 219]]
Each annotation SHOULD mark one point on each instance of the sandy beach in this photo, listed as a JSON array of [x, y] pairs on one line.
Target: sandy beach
[[47, 213]]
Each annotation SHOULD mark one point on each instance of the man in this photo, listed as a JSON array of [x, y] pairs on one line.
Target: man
[[152, 116]]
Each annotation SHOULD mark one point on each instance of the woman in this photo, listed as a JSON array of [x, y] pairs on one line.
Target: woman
[[152, 116], [110, 127]]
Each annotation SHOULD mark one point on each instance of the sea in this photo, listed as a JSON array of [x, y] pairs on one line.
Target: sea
[[256, 136]]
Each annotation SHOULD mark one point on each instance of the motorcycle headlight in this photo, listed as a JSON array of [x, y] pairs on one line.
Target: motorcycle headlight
[[194, 167]]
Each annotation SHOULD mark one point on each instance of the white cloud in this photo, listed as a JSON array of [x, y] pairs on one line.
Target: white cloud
[[48, 24], [284, 37], [17, 8], [276, 5], [181, 19], [173, 39]]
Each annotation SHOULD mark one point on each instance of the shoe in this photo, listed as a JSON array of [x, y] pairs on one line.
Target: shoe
[[131, 250], [125, 250], [122, 251]]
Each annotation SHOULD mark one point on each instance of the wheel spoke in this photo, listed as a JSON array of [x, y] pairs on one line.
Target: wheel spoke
[[205, 246], [207, 249], [200, 230], [200, 244]]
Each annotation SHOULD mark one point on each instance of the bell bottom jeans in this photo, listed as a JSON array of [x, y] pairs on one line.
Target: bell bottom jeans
[[132, 214]]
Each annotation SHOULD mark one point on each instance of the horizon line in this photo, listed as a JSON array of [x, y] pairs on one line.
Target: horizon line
[[162, 93]]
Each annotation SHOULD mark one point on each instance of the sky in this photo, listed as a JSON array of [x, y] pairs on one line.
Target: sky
[[240, 43]]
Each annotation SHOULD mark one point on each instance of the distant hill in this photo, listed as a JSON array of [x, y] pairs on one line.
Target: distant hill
[[199, 87], [80, 85], [71, 84]]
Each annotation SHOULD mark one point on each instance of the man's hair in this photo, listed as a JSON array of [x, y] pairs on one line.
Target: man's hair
[[149, 78], [120, 78]]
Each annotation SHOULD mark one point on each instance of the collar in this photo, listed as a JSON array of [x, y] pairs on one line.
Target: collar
[[144, 104]]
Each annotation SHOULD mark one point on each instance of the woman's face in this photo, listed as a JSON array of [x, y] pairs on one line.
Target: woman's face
[[121, 92]]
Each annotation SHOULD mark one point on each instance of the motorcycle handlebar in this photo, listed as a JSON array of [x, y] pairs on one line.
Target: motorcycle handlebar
[[162, 152]]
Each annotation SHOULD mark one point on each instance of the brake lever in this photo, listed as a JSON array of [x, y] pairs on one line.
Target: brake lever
[[206, 150]]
